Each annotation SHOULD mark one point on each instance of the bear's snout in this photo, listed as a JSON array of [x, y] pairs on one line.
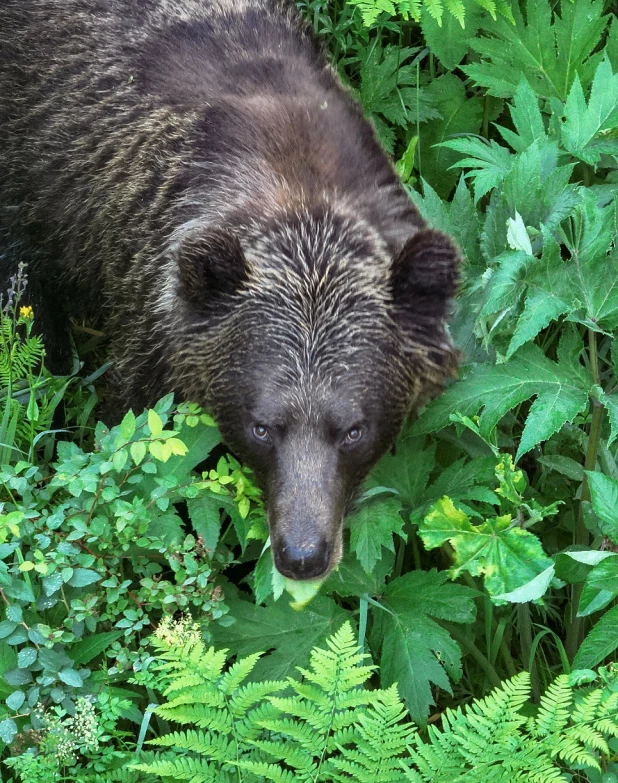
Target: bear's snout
[[309, 559]]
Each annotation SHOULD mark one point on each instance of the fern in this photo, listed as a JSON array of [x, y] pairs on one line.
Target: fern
[[411, 9], [329, 728]]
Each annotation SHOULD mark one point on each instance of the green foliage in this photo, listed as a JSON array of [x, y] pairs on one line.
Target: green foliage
[[484, 545], [328, 727], [459, 10]]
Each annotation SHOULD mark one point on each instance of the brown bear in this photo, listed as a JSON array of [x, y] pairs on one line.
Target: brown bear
[[192, 174]]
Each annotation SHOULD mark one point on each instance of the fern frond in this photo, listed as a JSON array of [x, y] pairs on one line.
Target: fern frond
[[553, 714], [270, 772], [197, 715], [238, 673], [215, 746], [184, 768], [252, 693]]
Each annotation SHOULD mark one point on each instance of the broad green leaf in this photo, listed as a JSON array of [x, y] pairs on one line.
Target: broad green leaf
[[527, 119], [407, 470], [288, 633], [517, 235], [489, 162], [600, 587], [460, 114], [565, 465], [350, 578], [83, 577], [604, 494], [539, 311], [600, 642], [26, 657], [561, 393], [71, 677], [547, 50], [459, 217], [416, 650], [610, 403], [506, 555], [532, 590], [8, 731], [585, 123], [447, 40], [127, 425], [372, 527], [85, 650]]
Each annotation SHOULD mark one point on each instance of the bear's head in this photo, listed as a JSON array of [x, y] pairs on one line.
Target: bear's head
[[310, 342]]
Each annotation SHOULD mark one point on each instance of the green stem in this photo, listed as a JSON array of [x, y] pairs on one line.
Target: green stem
[[525, 633], [575, 626], [473, 650]]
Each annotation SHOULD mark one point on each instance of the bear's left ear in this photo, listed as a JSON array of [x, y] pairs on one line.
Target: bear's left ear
[[211, 267], [425, 274]]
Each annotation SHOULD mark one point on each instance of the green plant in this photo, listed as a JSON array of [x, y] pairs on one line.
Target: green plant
[[331, 728]]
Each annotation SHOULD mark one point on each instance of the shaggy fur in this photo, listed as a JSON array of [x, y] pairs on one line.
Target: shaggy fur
[[192, 174]]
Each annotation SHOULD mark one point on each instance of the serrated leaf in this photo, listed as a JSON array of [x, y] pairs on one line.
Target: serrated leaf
[[71, 677], [83, 576], [155, 423], [600, 642], [544, 48], [460, 114], [600, 587], [585, 122], [447, 41], [507, 556], [539, 311], [416, 651], [561, 393], [26, 657], [532, 590], [15, 700], [8, 731], [372, 527], [604, 494], [289, 634]]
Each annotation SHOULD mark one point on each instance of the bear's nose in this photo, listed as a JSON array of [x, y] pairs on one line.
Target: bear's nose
[[302, 561]]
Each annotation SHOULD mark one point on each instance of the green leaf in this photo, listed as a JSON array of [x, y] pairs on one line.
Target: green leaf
[[127, 425], [532, 590], [372, 527], [604, 495], [600, 587], [85, 650], [416, 650], [15, 700], [155, 424], [138, 451], [561, 393], [490, 162], [26, 657], [548, 52], [71, 677], [350, 578], [600, 642], [584, 123], [290, 634], [83, 576], [507, 556], [460, 114], [448, 40], [8, 730]]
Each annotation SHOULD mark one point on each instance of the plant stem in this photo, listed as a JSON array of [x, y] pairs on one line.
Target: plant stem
[[525, 631], [574, 635], [474, 651]]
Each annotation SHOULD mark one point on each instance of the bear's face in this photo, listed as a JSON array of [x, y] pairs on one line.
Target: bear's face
[[315, 348]]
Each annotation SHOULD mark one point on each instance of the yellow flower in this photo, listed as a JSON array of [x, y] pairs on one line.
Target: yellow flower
[[26, 312]]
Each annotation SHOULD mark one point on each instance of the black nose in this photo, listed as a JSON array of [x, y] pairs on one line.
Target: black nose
[[307, 561]]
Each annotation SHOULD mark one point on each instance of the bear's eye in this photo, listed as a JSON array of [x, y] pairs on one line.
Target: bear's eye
[[353, 435], [261, 433]]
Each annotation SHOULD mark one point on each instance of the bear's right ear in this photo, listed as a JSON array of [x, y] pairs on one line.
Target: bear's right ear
[[424, 275], [211, 266]]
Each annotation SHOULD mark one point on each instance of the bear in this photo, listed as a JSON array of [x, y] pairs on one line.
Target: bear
[[193, 176]]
